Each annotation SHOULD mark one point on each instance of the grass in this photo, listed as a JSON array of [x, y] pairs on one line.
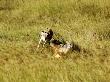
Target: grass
[[85, 22]]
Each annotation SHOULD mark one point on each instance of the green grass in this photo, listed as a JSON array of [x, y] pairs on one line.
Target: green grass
[[85, 22]]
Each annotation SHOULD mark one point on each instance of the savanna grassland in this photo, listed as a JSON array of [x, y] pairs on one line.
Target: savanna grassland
[[84, 22]]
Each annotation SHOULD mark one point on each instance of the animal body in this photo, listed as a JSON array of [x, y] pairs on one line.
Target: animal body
[[45, 37], [49, 35], [60, 48]]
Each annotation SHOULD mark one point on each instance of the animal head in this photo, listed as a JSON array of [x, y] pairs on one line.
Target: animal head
[[69, 44], [44, 35]]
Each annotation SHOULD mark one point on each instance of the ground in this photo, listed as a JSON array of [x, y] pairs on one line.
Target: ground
[[86, 23]]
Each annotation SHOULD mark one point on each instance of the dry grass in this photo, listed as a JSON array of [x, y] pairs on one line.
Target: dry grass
[[85, 22]]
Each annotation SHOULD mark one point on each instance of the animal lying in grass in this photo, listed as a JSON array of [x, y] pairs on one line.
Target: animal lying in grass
[[45, 37], [60, 48]]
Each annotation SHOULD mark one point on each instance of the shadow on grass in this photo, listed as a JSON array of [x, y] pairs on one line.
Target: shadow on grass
[[76, 47]]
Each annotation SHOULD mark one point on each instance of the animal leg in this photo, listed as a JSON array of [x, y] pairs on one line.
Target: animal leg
[[44, 44], [57, 56], [39, 43]]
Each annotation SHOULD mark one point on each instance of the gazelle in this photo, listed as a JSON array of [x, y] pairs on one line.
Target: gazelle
[[61, 48]]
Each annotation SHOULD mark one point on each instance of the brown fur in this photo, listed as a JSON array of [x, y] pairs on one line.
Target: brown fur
[[55, 49], [59, 50]]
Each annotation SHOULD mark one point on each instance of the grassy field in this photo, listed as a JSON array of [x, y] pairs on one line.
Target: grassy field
[[84, 22]]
